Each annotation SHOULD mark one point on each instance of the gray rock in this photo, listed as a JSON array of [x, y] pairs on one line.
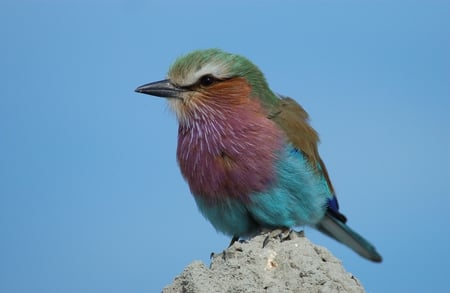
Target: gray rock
[[294, 265]]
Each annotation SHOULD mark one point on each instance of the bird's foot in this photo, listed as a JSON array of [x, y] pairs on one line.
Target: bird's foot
[[233, 240], [282, 235]]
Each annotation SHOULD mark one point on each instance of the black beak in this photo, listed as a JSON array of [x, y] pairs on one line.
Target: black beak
[[162, 88]]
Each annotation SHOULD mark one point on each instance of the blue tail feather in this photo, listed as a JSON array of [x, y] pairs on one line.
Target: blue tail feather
[[333, 227]]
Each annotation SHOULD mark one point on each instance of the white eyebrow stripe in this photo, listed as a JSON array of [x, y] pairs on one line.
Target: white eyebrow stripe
[[218, 70]]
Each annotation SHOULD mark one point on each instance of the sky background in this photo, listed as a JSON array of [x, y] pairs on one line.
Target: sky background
[[91, 198]]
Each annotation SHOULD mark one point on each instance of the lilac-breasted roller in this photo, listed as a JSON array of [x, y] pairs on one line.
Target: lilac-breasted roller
[[249, 156]]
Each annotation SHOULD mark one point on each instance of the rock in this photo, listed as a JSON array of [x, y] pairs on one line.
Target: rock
[[294, 265]]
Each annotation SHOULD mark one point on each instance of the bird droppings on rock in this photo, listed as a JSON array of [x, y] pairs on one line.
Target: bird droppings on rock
[[294, 265]]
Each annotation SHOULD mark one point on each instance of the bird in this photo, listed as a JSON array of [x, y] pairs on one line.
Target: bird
[[248, 154]]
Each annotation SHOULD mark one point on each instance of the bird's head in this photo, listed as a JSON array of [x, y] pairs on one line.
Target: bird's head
[[207, 80]]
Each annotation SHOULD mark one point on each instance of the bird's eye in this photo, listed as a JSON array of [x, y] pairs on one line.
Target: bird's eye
[[207, 80]]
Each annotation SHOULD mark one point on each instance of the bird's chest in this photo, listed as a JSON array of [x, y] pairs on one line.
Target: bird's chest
[[226, 161]]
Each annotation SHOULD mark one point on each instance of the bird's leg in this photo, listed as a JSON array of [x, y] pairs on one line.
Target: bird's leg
[[233, 240]]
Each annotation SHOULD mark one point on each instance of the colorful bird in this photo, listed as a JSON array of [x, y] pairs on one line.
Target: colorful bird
[[249, 156]]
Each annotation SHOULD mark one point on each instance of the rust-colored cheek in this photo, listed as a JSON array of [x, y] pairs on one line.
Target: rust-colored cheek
[[223, 94], [233, 91]]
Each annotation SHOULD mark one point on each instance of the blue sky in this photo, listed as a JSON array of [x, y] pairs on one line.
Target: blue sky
[[91, 198]]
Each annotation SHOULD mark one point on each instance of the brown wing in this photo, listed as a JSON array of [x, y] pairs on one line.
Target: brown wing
[[294, 120]]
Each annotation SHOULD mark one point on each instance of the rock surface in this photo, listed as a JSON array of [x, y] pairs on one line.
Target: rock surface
[[294, 265]]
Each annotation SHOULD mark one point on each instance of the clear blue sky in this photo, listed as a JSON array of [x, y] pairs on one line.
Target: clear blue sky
[[91, 198]]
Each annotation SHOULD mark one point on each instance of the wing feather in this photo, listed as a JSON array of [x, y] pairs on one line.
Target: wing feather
[[294, 120]]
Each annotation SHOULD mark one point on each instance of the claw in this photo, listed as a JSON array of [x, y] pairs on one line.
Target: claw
[[277, 233], [266, 240], [233, 240], [283, 235]]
